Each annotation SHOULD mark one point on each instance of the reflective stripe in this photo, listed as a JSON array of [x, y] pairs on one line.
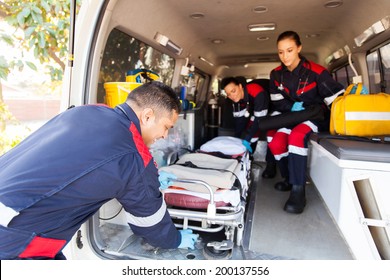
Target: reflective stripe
[[239, 114], [279, 157], [284, 130], [311, 125], [367, 116], [6, 214], [254, 139], [330, 99], [261, 113], [297, 150], [149, 220], [276, 96]]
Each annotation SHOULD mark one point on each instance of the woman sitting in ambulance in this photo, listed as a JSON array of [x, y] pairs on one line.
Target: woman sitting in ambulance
[[297, 83]]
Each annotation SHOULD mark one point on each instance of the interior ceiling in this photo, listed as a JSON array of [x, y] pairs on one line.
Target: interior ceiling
[[228, 20]]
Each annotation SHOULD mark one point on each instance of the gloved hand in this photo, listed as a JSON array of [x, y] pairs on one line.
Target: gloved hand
[[297, 106], [188, 239], [165, 179], [247, 145]]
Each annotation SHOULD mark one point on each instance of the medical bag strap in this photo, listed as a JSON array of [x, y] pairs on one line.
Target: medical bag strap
[[192, 165]]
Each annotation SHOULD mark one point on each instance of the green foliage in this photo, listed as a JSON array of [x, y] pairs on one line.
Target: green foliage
[[7, 140], [45, 26]]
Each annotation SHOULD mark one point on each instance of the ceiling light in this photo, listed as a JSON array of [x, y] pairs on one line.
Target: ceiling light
[[333, 4], [197, 15], [315, 35], [218, 41], [262, 38], [372, 31], [262, 27], [205, 60], [260, 9], [167, 43]]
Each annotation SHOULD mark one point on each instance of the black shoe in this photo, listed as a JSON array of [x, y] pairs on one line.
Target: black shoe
[[283, 186], [269, 171], [297, 200]]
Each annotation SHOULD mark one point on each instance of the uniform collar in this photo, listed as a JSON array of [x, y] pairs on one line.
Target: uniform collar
[[125, 110], [297, 69]]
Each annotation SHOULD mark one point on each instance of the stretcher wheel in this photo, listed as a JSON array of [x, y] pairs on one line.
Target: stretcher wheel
[[215, 253]]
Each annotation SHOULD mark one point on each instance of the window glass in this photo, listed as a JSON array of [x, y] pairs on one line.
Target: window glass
[[194, 83], [342, 77], [385, 57], [124, 53], [374, 72]]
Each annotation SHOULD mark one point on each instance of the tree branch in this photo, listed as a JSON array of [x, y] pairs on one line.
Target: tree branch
[[56, 59]]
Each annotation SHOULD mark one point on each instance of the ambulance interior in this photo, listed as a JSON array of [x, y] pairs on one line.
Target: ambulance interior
[[191, 45]]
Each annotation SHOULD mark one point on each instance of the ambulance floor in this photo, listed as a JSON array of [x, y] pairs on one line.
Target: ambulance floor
[[270, 233]]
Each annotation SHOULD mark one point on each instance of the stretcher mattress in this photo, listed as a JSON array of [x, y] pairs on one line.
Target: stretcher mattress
[[196, 200], [219, 173]]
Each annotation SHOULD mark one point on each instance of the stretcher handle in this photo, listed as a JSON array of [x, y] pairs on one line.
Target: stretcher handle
[[211, 208]]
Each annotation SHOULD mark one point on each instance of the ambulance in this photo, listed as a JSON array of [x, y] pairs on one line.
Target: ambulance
[[117, 45]]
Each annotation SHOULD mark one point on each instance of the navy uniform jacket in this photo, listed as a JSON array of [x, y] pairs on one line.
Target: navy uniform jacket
[[60, 175], [249, 110], [309, 83]]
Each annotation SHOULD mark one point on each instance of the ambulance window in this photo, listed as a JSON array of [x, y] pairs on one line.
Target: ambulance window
[[385, 58], [344, 75], [124, 53], [378, 63], [196, 86]]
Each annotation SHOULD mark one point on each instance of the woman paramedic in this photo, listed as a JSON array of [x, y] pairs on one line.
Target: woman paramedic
[[296, 84], [250, 104]]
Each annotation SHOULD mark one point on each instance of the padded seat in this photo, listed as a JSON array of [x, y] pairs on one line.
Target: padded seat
[[346, 149]]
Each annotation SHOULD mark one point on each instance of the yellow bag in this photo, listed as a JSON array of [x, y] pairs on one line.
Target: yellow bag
[[360, 115]]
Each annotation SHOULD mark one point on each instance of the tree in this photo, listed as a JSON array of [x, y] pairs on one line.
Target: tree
[[44, 26]]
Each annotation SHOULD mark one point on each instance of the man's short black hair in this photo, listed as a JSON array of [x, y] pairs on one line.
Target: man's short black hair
[[157, 96], [240, 80]]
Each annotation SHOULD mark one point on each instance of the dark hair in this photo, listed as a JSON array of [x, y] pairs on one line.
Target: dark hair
[[236, 80], [290, 35], [157, 96]]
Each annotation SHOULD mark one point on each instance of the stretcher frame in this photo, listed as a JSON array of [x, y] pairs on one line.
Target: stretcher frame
[[211, 220]]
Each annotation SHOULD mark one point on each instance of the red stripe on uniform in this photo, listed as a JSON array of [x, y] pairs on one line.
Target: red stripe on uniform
[[306, 88], [298, 135], [140, 145], [42, 247]]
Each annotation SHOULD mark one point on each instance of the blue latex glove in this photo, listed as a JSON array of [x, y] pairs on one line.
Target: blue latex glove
[[297, 106], [165, 179], [247, 145], [188, 239]]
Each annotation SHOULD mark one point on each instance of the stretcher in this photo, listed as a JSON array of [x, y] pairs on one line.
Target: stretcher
[[211, 191]]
